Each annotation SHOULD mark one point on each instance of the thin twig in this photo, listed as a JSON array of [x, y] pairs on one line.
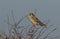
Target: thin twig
[[32, 35], [21, 19], [13, 16], [8, 23], [40, 33], [8, 26], [54, 37], [49, 33], [46, 30]]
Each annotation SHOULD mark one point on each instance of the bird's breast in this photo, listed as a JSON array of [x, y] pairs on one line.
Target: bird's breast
[[32, 20]]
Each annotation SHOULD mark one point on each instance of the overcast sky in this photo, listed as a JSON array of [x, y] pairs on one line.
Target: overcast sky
[[46, 9]]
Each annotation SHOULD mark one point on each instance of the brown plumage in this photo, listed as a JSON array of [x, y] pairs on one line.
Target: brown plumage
[[35, 20]]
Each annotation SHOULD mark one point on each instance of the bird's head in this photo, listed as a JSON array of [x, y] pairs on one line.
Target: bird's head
[[44, 25], [31, 14]]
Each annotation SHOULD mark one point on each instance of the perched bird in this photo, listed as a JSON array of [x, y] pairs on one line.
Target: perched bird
[[35, 21]]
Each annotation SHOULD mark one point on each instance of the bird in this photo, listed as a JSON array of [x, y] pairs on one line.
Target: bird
[[35, 21]]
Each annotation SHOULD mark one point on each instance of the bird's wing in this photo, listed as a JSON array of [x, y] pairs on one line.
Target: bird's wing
[[37, 20]]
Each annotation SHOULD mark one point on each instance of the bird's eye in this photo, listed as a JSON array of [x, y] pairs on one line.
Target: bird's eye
[[30, 14]]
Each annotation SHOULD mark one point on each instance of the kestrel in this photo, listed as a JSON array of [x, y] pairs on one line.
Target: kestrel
[[35, 21]]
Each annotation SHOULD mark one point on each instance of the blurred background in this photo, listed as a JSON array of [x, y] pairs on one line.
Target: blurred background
[[46, 9]]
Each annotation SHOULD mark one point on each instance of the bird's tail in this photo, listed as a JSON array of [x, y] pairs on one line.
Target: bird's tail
[[44, 25]]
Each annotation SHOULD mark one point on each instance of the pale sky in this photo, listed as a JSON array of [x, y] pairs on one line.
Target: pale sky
[[46, 9]]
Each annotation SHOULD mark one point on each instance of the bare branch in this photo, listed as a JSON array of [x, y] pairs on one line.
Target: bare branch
[[12, 16], [54, 37], [39, 33], [8, 26], [21, 19], [9, 23], [49, 33], [46, 29]]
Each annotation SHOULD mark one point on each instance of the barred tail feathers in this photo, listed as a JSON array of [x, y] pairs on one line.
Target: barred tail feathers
[[43, 25]]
